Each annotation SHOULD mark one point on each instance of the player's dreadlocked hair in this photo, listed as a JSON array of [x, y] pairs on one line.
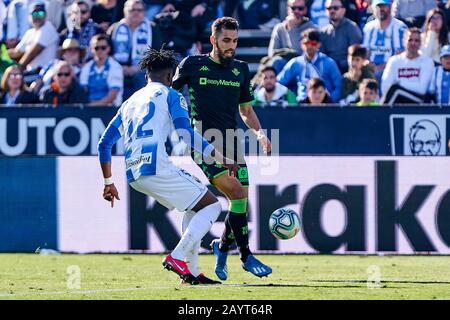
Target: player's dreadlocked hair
[[155, 61]]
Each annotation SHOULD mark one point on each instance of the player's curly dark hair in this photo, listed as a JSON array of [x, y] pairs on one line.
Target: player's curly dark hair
[[155, 61]]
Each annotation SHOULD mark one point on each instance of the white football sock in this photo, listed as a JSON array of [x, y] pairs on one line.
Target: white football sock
[[192, 255], [200, 224]]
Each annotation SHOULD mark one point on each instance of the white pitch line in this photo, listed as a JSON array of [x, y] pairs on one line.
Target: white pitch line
[[57, 293]]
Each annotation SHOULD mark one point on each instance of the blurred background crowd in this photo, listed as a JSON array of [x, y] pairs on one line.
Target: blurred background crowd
[[338, 52]]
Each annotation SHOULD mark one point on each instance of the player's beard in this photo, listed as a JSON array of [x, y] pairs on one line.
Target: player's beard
[[222, 58]]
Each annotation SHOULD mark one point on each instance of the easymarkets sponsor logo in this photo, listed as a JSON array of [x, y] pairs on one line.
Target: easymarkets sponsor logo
[[206, 81], [145, 158]]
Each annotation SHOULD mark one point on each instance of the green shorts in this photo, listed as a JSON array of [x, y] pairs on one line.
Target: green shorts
[[215, 170]]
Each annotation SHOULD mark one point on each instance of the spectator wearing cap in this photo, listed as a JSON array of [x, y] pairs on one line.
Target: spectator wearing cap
[[65, 88], [339, 34], [80, 26], [130, 38], [440, 83], [316, 93], [70, 52], [102, 77], [39, 44], [13, 89], [407, 76], [412, 12], [312, 64], [435, 34], [383, 36], [286, 34], [270, 92]]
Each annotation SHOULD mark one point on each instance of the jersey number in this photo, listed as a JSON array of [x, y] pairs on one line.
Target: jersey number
[[140, 132]]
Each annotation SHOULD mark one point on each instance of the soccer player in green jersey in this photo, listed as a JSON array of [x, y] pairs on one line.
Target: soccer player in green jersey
[[219, 89]]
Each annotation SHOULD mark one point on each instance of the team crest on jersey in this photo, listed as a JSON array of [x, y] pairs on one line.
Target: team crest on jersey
[[235, 71], [183, 103]]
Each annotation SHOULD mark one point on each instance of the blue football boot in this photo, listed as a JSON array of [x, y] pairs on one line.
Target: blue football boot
[[256, 267], [221, 260]]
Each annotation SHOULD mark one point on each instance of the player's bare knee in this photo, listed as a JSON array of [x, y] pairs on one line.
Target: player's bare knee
[[208, 199]]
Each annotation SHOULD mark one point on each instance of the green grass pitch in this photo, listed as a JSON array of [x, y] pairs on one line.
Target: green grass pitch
[[140, 276]]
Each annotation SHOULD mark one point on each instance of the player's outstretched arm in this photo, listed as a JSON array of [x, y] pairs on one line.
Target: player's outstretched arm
[[251, 120]]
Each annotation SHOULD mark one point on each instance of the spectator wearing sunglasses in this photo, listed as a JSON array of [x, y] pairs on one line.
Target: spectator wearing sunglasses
[[13, 89], [286, 34], [339, 34], [64, 89], [312, 64], [39, 44], [102, 77]]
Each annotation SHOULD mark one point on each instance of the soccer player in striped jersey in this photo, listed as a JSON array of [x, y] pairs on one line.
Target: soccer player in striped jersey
[[145, 120]]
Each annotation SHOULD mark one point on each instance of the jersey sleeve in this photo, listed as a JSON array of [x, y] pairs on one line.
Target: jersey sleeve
[[111, 135], [246, 87], [178, 107], [181, 76], [179, 113]]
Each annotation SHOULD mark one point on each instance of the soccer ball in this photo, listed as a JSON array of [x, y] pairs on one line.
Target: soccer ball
[[284, 223]]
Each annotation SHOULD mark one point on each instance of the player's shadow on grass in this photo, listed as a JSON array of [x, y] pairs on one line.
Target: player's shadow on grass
[[286, 285], [387, 281]]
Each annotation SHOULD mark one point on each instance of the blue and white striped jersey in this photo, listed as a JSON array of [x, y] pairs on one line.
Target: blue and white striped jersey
[[145, 121], [318, 13], [383, 43], [440, 85]]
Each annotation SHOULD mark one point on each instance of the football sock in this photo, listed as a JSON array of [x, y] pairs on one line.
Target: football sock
[[227, 238], [237, 219], [192, 255], [199, 225]]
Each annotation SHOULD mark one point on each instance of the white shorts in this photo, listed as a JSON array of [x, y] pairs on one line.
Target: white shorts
[[178, 189]]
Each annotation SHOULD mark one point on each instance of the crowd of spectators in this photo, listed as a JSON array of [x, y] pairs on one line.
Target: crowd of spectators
[[365, 52], [347, 52], [83, 52]]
